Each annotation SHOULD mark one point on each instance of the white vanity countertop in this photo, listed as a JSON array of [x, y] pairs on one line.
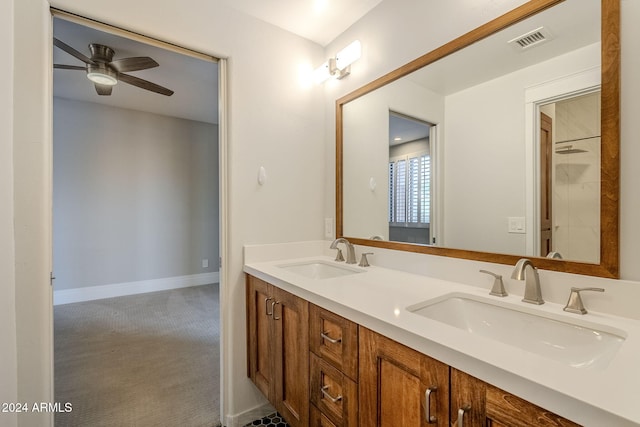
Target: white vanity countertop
[[377, 299]]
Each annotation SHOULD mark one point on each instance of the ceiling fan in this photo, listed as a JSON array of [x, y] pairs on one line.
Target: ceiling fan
[[105, 72]]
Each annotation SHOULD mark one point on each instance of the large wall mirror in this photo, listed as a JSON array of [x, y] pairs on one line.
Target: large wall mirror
[[501, 144]]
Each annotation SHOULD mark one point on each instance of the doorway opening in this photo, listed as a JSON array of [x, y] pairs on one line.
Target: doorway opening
[[410, 180], [136, 228], [569, 166]]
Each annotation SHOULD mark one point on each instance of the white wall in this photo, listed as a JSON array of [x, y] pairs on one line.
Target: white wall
[[272, 118], [32, 206], [9, 363], [134, 200], [427, 25]]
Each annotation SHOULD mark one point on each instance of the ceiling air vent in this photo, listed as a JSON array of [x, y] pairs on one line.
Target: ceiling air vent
[[530, 39]]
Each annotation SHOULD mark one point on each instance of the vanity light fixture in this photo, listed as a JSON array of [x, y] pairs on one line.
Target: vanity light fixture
[[340, 66]]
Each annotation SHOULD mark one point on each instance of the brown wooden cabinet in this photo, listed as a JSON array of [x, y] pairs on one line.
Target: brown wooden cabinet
[[277, 346], [333, 341], [321, 370], [481, 404], [400, 386]]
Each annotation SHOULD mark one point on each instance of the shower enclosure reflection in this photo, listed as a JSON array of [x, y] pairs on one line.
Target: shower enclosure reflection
[[570, 177]]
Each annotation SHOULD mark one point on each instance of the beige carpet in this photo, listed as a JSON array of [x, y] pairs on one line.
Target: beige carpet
[[142, 360]]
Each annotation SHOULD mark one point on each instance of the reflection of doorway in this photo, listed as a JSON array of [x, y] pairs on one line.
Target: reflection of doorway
[[569, 167], [410, 180], [546, 196]]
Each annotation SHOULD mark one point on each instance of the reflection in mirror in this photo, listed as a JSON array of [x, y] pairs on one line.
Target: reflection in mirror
[[496, 191], [409, 200], [570, 178]]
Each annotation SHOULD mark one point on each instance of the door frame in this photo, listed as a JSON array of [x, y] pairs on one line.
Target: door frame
[[223, 198], [579, 83]]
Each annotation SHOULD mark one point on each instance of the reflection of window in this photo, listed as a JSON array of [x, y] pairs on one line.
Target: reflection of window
[[410, 189]]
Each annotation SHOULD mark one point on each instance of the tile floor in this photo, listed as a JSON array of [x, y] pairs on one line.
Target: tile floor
[[272, 420]]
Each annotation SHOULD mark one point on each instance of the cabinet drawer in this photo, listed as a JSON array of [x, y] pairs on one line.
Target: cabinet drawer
[[318, 419], [335, 339], [333, 393]]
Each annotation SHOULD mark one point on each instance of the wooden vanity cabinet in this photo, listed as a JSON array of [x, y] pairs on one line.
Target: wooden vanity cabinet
[[296, 350], [277, 347], [399, 386], [333, 345], [481, 404]]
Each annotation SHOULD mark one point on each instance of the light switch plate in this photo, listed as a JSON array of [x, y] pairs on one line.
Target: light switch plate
[[516, 225], [328, 228]]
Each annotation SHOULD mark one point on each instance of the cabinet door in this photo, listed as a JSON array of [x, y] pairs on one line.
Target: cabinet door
[[291, 356], [396, 383], [505, 409], [481, 404], [467, 400], [260, 345], [335, 339]]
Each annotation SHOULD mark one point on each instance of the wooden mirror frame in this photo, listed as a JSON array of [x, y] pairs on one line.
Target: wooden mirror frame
[[610, 143]]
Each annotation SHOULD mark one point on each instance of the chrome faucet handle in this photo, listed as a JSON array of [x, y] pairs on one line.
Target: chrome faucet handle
[[498, 285], [574, 304], [339, 256], [364, 262]]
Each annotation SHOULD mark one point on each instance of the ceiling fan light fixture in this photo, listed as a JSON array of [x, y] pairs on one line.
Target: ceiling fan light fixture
[[102, 75]]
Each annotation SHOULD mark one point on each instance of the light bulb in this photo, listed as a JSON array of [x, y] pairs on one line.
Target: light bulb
[[348, 55], [102, 79]]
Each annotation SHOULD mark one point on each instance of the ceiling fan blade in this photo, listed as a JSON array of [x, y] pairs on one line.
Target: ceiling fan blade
[[104, 90], [135, 81], [69, 67], [71, 51], [133, 64]]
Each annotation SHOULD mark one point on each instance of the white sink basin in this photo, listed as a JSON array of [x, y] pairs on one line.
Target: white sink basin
[[320, 269], [578, 343]]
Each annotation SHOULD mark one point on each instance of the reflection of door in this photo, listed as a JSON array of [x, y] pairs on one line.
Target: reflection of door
[[546, 149]]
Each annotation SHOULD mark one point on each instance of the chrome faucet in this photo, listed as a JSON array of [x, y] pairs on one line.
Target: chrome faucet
[[525, 270], [351, 252], [554, 255]]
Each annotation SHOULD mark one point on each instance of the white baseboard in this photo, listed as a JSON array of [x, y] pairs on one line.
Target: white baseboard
[[67, 296], [251, 415]]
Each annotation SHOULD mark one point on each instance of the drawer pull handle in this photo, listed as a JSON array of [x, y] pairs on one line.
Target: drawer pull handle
[[273, 310], [461, 412], [266, 306], [328, 396], [431, 419], [328, 338]]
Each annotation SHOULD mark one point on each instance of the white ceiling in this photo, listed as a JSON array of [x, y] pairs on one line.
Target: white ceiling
[[318, 20]]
